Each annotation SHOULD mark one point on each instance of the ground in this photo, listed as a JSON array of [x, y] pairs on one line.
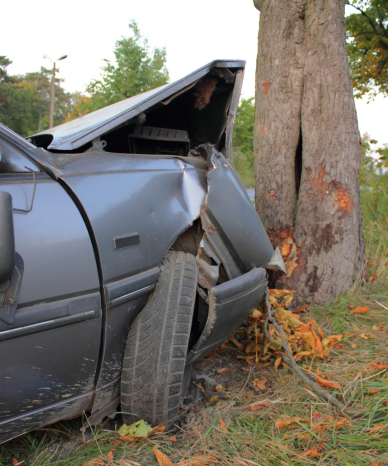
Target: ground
[[228, 430]]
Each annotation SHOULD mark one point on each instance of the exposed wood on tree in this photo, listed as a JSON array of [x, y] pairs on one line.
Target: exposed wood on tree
[[307, 146]]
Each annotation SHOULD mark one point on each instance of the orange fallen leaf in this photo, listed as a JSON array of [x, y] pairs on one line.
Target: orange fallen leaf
[[375, 464], [97, 461], [219, 388], [223, 426], [359, 310], [314, 452], [300, 310], [258, 405], [15, 462], [318, 344], [110, 455], [353, 345], [279, 293], [173, 439], [372, 278], [159, 428], [199, 460], [224, 370], [161, 458], [377, 428], [291, 422], [372, 391], [260, 384], [302, 354]]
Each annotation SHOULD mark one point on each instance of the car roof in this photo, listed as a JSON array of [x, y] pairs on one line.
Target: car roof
[[76, 133]]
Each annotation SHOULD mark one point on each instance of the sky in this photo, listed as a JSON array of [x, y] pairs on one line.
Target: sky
[[194, 33]]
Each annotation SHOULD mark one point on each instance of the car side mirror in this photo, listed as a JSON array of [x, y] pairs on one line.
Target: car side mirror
[[7, 237]]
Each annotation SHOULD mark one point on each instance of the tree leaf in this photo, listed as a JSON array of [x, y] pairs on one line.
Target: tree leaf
[[136, 430], [359, 310], [161, 458], [223, 426]]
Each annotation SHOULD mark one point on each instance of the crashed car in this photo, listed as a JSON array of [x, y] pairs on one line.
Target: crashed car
[[129, 249]]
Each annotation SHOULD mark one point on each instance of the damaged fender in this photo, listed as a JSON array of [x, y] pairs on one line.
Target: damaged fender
[[229, 305]]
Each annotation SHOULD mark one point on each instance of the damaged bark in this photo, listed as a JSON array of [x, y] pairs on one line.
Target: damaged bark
[[307, 147]]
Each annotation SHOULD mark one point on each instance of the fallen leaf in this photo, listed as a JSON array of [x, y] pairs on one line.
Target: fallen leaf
[[219, 388], [214, 399], [372, 278], [291, 423], [258, 405], [138, 429], [375, 464], [260, 384], [363, 336], [97, 461], [300, 310], [224, 370], [376, 328], [314, 452], [302, 354], [316, 417], [223, 426], [359, 310], [279, 293], [318, 344], [161, 458], [199, 460], [159, 428], [377, 428], [353, 345], [332, 340], [372, 391], [278, 361], [173, 439], [15, 462], [110, 455]]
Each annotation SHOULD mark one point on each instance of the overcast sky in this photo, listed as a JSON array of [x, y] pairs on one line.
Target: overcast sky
[[193, 32]]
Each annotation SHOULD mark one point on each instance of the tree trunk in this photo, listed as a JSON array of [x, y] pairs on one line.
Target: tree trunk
[[307, 147]]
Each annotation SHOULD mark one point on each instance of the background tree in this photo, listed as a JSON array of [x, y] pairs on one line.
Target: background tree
[[136, 70], [243, 157], [307, 146], [367, 33], [25, 100]]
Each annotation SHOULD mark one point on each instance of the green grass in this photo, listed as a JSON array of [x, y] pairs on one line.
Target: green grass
[[252, 438]]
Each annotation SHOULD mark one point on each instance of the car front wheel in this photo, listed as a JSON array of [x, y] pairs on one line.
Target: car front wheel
[[156, 348]]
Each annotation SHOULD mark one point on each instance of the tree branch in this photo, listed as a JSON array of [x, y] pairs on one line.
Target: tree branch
[[370, 20], [290, 362]]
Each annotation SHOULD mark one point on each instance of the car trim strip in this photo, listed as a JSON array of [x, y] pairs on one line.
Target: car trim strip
[[129, 296], [48, 324]]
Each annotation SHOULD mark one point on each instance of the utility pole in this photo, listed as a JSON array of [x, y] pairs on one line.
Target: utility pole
[[51, 124]]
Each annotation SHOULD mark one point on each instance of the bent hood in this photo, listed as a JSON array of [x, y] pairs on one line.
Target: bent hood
[[75, 134]]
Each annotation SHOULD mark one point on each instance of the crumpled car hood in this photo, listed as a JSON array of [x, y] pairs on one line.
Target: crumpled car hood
[[75, 134]]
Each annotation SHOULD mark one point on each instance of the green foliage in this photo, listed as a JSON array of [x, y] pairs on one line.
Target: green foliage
[[367, 34], [136, 70], [25, 100], [243, 155]]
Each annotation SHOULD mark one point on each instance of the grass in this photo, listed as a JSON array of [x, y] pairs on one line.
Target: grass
[[252, 437]]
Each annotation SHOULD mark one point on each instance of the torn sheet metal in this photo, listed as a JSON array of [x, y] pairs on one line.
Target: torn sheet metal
[[230, 221], [276, 262]]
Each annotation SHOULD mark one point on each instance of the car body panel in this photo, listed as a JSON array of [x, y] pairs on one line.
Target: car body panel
[[229, 304]]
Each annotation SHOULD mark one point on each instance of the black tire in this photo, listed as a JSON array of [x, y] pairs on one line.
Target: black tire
[[156, 348]]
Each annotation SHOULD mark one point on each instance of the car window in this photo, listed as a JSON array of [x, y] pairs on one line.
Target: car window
[[13, 161]]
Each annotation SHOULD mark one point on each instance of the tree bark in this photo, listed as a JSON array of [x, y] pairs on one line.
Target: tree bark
[[307, 147]]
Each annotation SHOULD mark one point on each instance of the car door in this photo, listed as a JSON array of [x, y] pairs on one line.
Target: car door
[[50, 339]]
